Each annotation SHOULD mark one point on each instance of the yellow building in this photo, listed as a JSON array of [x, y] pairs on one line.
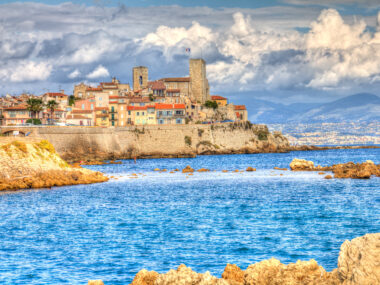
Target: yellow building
[[221, 101], [141, 115], [102, 117]]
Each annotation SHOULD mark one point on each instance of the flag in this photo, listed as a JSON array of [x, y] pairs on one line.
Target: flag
[[188, 50]]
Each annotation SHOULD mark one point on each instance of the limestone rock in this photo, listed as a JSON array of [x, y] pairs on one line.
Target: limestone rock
[[272, 271], [250, 169], [359, 260], [185, 276], [95, 282], [356, 171], [203, 170], [328, 177], [145, 277], [188, 169], [233, 274], [301, 164]]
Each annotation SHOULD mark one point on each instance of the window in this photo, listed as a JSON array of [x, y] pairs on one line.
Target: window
[[178, 121], [122, 123], [112, 109], [82, 106], [143, 113], [178, 112], [92, 106], [138, 114], [129, 113], [100, 98], [161, 121], [122, 116], [121, 108], [141, 80]]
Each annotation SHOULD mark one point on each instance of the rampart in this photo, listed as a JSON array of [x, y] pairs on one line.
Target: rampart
[[88, 143]]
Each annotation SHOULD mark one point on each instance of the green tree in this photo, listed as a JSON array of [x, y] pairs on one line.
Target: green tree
[[211, 104], [71, 100], [35, 106], [51, 105]]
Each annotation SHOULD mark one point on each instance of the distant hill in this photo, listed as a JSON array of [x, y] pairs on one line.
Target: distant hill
[[359, 107]]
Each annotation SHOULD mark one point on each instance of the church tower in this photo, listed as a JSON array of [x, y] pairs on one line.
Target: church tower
[[140, 77], [198, 81]]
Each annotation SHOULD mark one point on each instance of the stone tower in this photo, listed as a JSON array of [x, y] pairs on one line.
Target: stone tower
[[140, 77], [198, 81]]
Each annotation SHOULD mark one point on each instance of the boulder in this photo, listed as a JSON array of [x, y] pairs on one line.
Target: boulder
[[328, 177], [359, 260], [233, 274], [95, 282], [301, 164], [356, 171], [203, 170], [272, 271], [250, 169], [145, 277], [188, 169]]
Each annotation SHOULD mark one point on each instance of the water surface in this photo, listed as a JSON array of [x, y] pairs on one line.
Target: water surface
[[110, 231]]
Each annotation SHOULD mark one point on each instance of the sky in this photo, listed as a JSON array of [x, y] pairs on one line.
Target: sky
[[283, 51]]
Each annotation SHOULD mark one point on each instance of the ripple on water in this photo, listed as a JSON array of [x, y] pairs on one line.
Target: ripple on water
[[110, 231]]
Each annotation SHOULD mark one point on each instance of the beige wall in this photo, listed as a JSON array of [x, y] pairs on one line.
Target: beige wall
[[137, 72], [198, 80]]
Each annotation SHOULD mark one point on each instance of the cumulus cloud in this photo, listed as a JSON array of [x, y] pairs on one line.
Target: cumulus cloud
[[246, 49], [26, 71], [99, 72], [76, 73]]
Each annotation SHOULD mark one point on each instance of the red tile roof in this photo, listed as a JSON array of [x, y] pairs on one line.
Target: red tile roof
[[82, 111], [101, 108], [137, 108], [240, 107], [19, 107], [173, 90], [157, 85], [52, 94], [162, 106], [217, 97], [76, 117], [94, 89]]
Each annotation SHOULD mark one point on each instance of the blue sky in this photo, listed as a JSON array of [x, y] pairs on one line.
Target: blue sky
[[288, 50]]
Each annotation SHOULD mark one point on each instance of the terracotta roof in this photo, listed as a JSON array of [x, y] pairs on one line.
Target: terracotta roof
[[94, 89], [176, 79], [19, 107], [82, 111], [136, 108], [139, 100], [240, 107], [217, 97], [162, 106], [101, 108], [157, 85], [173, 90], [101, 115], [52, 94]]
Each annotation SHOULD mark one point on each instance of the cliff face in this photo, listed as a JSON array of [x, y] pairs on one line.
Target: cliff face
[[82, 143], [35, 164]]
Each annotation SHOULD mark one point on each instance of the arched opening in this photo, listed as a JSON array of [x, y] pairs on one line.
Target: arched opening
[[14, 133]]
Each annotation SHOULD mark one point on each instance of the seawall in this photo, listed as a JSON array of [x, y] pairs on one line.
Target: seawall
[[89, 143]]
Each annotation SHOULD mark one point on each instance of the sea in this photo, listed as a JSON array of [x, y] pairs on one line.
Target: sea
[[159, 220]]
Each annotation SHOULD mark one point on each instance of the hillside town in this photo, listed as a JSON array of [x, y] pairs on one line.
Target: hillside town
[[174, 100]]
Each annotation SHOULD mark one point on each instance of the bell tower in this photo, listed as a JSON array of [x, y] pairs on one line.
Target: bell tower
[[140, 77]]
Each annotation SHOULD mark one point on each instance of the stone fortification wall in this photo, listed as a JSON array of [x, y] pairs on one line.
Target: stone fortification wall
[[79, 143]]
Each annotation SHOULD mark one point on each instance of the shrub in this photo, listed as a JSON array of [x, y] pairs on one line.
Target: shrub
[[263, 136], [21, 146], [200, 132], [34, 121], [46, 145], [211, 104], [188, 140]]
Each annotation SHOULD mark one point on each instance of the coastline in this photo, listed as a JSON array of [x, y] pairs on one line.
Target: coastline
[[35, 164], [357, 264]]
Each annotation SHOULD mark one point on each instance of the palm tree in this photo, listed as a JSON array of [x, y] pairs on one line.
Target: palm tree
[[35, 106], [51, 105]]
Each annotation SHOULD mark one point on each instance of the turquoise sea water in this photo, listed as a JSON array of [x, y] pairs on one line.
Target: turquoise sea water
[[110, 231]]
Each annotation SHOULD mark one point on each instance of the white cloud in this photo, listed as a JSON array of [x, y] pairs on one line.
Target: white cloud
[[76, 73], [99, 72], [26, 71]]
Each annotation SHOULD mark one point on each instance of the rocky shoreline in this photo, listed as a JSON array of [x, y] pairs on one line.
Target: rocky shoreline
[[343, 170], [358, 263], [35, 164]]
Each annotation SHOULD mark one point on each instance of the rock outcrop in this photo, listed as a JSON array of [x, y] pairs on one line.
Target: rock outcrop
[[358, 263], [359, 260], [301, 165], [188, 169], [343, 170], [35, 164]]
